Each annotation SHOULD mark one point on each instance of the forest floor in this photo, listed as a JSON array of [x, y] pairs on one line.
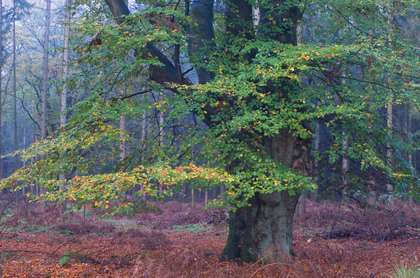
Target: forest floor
[[330, 241]]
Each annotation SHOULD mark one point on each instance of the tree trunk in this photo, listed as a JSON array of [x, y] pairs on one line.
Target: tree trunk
[[144, 138], [302, 199], [264, 230], [161, 138], [63, 96], [346, 168], [14, 95], [192, 198], [44, 90], [214, 189], [1, 92], [389, 156], [14, 86], [410, 156], [316, 164], [123, 149], [45, 73], [373, 193], [302, 204]]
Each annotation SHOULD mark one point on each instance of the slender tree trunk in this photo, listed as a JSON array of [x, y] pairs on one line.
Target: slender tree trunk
[[316, 163], [410, 156], [44, 91], [389, 156], [183, 191], [192, 198], [63, 96], [346, 168], [345, 161], [1, 91], [161, 138], [372, 198], [14, 93], [123, 151], [214, 189], [143, 137], [302, 199]]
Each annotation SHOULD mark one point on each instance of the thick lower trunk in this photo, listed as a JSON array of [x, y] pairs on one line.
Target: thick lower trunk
[[263, 230]]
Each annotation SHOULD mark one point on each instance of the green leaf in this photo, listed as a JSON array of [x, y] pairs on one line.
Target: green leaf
[[63, 260]]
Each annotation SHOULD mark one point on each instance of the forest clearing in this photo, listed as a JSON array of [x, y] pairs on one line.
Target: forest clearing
[[182, 242]]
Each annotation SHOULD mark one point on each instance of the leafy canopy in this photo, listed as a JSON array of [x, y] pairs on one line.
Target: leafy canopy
[[355, 59]]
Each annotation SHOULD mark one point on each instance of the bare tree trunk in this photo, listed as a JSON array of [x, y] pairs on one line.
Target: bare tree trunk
[[192, 198], [33, 186], [215, 192], [389, 156], [1, 91], [45, 73], [410, 156], [345, 165], [44, 90], [123, 148], [143, 137], [183, 191], [302, 204], [316, 164], [14, 93], [63, 96], [345, 162], [302, 199], [373, 194], [63, 108], [389, 186], [198, 195], [372, 200], [161, 137], [123, 151]]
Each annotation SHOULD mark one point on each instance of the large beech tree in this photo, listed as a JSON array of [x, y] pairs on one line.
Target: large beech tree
[[260, 94], [265, 227]]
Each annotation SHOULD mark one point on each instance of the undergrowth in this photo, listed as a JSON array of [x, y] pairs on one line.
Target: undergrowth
[[331, 240], [406, 272]]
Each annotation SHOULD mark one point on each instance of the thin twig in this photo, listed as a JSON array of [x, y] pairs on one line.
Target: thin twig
[[63, 245], [22, 251]]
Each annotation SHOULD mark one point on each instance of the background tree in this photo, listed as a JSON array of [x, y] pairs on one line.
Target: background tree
[[63, 95], [45, 72]]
